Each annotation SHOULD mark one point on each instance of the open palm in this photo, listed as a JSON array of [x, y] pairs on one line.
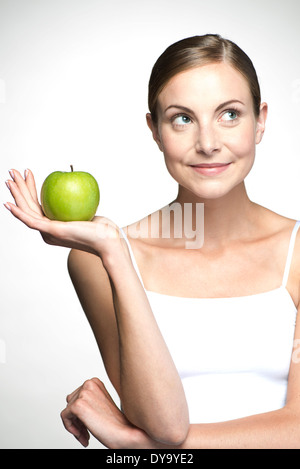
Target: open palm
[[91, 236]]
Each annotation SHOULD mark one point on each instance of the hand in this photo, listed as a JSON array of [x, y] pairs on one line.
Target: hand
[[91, 409], [97, 236]]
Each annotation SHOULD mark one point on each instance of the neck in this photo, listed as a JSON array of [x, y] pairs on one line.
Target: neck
[[226, 218]]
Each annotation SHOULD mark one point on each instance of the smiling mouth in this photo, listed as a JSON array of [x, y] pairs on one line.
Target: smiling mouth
[[209, 165], [210, 169]]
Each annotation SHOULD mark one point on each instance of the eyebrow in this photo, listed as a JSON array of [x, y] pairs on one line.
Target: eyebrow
[[186, 109]]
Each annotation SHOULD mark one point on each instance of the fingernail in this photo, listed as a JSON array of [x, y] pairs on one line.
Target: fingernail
[[7, 184], [26, 173], [12, 174], [7, 206]]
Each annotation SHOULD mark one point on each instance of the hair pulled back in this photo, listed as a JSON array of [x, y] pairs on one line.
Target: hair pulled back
[[197, 51]]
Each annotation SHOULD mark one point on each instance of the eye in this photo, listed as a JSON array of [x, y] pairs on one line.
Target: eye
[[181, 120], [230, 115]]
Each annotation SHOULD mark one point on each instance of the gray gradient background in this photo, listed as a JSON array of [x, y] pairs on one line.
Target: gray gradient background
[[73, 90]]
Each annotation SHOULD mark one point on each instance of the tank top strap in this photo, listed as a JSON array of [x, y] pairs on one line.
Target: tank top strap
[[290, 254], [123, 234]]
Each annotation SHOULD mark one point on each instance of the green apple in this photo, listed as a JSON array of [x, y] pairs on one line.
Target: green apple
[[70, 196]]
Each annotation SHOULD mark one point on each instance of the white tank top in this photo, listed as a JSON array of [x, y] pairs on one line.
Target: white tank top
[[232, 354]]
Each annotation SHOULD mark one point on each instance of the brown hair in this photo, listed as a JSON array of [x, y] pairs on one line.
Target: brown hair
[[197, 51]]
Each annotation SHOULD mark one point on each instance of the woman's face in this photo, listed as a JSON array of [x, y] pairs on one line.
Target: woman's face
[[207, 129]]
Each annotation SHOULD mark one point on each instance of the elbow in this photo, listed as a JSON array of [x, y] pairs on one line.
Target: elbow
[[172, 434], [174, 429], [169, 434], [164, 426]]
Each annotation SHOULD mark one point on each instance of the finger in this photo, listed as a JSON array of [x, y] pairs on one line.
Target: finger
[[82, 434], [74, 426], [87, 385], [30, 182], [53, 232], [70, 397], [29, 219], [21, 192], [17, 195]]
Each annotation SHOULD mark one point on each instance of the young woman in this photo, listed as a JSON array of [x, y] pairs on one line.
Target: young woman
[[198, 341]]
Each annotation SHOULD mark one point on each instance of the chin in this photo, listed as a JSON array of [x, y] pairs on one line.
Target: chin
[[213, 190]]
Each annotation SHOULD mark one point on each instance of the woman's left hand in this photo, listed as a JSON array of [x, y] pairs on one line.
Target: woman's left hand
[[91, 409]]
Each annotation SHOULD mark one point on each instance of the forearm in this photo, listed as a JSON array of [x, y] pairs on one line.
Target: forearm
[[279, 429], [151, 391]]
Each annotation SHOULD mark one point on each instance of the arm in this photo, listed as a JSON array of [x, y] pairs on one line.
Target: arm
[[134, 353], [274, 430], [133, 350], [91, 409]]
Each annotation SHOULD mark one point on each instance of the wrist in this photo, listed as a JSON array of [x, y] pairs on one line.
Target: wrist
[[114, 254], [114, 257], [138, 439]]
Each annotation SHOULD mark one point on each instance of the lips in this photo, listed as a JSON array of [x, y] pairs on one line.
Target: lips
[[209, 165], [210, 169]]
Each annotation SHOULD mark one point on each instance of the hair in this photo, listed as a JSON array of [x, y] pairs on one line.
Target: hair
[[195, 52]]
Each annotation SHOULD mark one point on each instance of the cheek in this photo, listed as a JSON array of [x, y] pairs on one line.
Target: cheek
[[173, 151], [242, 144], [171, 147], [176, 147]]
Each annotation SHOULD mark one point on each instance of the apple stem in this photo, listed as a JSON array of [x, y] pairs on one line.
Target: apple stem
[[71, 168]]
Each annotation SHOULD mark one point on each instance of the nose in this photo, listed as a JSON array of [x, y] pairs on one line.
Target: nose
[[207, 141]]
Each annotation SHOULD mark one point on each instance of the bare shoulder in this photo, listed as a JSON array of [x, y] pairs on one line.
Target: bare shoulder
[[273, 224], [295, 265], [281, 229]]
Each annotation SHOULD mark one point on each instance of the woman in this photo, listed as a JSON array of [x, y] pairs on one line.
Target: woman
[[198, 342]]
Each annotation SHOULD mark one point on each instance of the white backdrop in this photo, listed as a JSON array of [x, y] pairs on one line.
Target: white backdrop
[[73, 90]]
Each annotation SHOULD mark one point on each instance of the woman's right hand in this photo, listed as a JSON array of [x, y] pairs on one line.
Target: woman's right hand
[[99, 236], [90, 408]]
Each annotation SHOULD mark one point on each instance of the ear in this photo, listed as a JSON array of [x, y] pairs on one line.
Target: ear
[[154, 129], [261, 122]]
